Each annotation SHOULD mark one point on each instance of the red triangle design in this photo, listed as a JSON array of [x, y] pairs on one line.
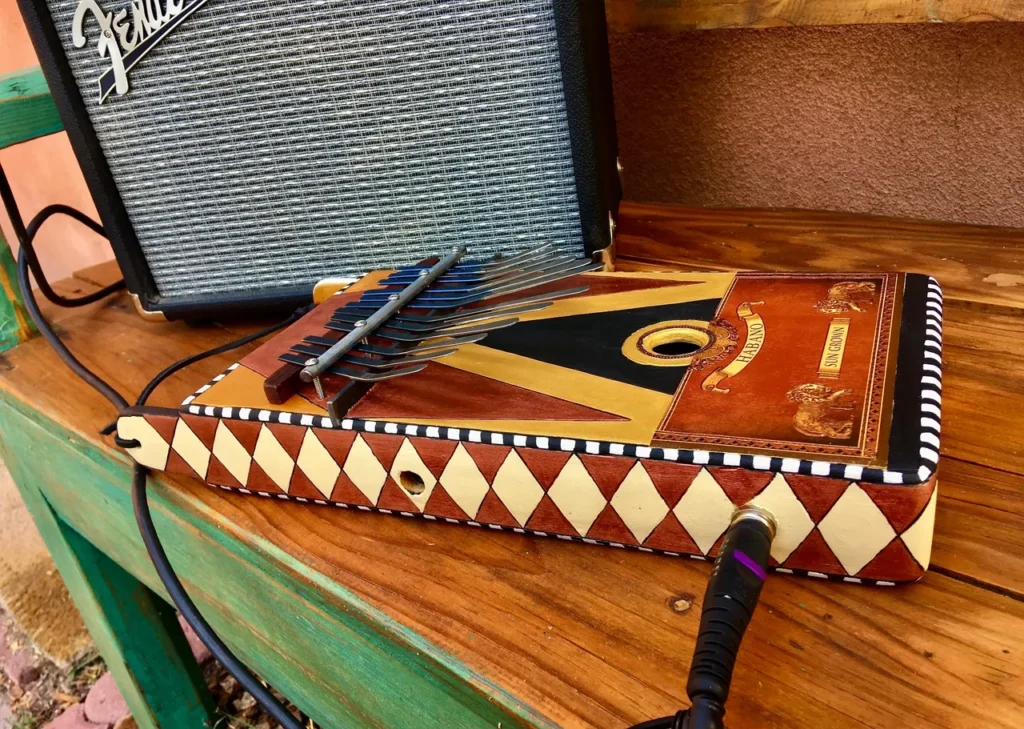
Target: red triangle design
[[610, 527], [385, 447], [901, 504], [289, 436], [163, 424], [346, 492], [246, 432], [177, 464], [337, 442], [544, 465], [608, 472], [204, 428], [260, 481], [300, 485], [741, 485], [434, 453], [818, 495], [894, 563], [392, 497], [670, 536], [441, 504], [492, 511], [814, 554], [549, 518], [671, 479], [219, 474], [488, 458]]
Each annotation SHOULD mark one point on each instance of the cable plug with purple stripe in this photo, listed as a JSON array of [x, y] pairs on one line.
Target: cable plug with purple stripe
[[732, 594]]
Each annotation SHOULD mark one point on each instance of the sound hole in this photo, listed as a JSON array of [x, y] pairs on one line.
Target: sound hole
[[412, 482], [675, 349]]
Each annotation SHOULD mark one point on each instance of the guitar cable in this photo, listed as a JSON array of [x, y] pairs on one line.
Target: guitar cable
[[732, 592]]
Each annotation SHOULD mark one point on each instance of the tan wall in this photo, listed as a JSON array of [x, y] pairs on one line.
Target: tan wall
[[923, 121], [45, 171]]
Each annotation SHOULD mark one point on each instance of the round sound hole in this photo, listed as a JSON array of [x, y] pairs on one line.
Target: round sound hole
[[675, 342], [412, 482]]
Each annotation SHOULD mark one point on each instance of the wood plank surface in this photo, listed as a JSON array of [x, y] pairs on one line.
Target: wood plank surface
[[26, 109], [628, 16], [551, 633]]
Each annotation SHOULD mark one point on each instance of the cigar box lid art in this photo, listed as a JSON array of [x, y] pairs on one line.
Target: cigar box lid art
[[635, 410]]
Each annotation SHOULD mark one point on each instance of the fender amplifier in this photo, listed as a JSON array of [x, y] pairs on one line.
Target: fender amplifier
[[238, 152]]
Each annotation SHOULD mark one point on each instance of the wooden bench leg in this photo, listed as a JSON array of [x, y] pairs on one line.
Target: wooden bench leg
[[136, 631]]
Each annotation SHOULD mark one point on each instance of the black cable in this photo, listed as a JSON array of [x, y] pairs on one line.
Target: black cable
[[26, 236], [140, 501]]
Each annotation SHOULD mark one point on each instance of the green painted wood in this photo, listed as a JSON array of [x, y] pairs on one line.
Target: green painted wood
[[27, 110], [344, 662], [136, 631], [15, 326]]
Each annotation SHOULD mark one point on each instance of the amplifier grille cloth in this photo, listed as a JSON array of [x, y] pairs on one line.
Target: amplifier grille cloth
[[270, 144]]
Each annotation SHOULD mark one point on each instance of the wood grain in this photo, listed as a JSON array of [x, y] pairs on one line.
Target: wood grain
[[628, 16], [572, 635], [26, 109]]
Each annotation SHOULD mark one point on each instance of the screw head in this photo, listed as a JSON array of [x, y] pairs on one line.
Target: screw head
[[393, 297], [311, 361], [424, 272], [360, 323]]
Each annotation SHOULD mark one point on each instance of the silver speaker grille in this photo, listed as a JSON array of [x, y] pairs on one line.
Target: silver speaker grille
[[270, 144]]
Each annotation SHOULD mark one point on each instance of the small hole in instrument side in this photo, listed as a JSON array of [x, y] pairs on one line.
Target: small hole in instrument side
[[412, 482], [675, 349]]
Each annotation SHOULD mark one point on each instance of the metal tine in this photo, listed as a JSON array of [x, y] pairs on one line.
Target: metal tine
[[397, 335], [439, 302], [442, 296], [544, 298], [364, 376], [485, 276], [496, 264], [442, 322], [380, 351]]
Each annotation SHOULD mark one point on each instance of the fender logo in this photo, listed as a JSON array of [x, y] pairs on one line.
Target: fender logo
[[126, 42]]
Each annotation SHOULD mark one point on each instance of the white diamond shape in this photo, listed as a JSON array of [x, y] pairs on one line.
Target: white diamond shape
[[319, 466], [187, 445], [409, 460], [792, 518], [704, 511], [918, 537], [273, 459], [639, 504], [231, 453], [517, 488], [153, 449], [464, 483], [577, 496], [365, 471], [855, 529]]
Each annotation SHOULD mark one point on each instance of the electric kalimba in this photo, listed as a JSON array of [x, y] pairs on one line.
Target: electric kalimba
[[540, 395]]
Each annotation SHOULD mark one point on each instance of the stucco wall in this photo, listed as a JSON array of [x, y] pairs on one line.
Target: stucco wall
[[924, 121]]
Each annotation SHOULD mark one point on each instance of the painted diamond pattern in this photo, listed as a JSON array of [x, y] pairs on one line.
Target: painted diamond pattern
[[231, 453], [408, 460], [704, 511], [187, 445], [364, 470], [638, 503], [794, 521], [273, 459], [577, 496], [855, 529], [316, 462], [517, 488], [466, 485]]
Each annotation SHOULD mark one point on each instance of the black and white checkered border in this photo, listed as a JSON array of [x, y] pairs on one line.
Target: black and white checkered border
[[931, 403], [563, 537]]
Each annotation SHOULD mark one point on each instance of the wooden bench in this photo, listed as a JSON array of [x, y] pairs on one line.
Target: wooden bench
[[377, 621]]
